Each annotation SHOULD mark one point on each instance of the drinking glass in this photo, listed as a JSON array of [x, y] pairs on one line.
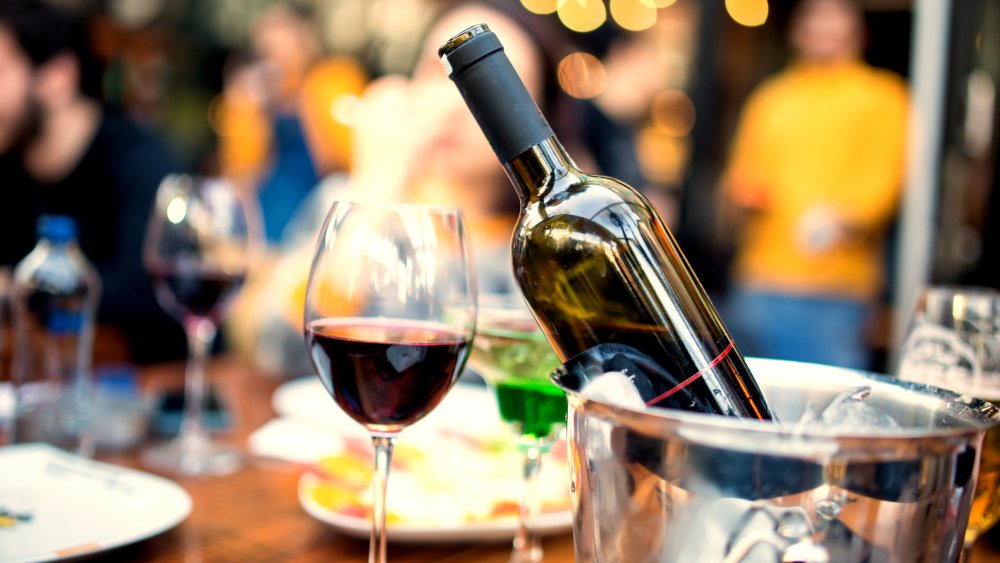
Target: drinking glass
[[390, 312], [514, 357], [197, 250], [953, 342]]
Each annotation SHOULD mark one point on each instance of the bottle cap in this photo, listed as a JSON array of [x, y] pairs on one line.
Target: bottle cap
[[464, 49], [495, 94], [57, 228]]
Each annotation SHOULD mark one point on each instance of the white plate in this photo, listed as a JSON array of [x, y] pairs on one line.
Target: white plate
[[468, 414], [549, 524], [71, 506]]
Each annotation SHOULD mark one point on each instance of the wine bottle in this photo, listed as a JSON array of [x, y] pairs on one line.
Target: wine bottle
[[595, 262]]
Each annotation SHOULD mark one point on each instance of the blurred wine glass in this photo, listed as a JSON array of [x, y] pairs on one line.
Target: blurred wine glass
[[390, 311], [953, 342], [198, 249], [512, 354]]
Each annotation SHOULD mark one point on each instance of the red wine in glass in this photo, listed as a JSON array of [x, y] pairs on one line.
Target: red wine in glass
[[195, 293], [386, 374], [390, 314], [199, 245]]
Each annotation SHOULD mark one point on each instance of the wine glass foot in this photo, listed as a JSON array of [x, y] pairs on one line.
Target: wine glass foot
[[199, 456]]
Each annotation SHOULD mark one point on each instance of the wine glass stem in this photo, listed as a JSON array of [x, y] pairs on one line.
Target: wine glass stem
[[527, 545], [383, 457], [200, 335]]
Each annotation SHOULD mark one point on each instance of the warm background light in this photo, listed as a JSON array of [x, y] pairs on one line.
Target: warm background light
[[657, 3], [750, 13], [582, 15], [542, 6], [663, 158], [673, 113], [633, 15], [582, 75]]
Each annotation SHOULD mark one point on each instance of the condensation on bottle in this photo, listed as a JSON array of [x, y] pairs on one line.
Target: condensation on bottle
[[54, 300]]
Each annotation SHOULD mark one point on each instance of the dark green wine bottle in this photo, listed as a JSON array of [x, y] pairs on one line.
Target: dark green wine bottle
[[594, 260]]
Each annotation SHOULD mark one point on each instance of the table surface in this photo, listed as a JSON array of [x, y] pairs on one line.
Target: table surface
[[254, 514]]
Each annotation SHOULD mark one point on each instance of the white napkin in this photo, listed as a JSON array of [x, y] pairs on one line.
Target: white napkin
[[292, 439]]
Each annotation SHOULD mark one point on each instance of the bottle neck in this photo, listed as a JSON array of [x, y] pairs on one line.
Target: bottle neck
[[64, 245], [534, 172]]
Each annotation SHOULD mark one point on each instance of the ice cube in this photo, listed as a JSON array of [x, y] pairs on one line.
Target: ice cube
[[729, 529], [615, 388], [849, 411]]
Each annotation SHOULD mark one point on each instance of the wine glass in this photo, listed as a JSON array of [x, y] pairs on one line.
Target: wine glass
[[512, 354], [390, 312], [953, 342], [197, 250]]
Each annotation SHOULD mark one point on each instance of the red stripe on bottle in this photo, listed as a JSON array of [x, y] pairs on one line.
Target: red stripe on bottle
[[691, 379]]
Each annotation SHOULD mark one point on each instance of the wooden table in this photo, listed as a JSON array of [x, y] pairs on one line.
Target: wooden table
[[254, 515]]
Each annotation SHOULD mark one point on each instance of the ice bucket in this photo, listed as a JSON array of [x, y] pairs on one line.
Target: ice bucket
[[670, 486]]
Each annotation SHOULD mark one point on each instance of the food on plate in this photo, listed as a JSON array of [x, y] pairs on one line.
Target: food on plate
[[440, 479]]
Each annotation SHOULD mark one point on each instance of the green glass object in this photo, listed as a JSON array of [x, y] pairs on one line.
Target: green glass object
[[536, 408], [512, 354]]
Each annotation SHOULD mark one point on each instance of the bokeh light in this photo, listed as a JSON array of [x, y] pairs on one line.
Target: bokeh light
[[750, 13], [177, 210], [633, 15], [582, 75], [542, 6], [672, 112], [658, 3], [662, 158], [582, 15]]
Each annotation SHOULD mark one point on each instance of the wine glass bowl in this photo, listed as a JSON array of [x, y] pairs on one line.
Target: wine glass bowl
[[390, 312], [198, 248], [515, 358]]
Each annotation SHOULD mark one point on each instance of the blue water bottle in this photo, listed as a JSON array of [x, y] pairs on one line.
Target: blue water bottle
[[54, 301]]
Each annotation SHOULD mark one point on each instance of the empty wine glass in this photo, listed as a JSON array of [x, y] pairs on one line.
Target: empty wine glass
[[197, 250], [953, 341], [514, 357], [390, 312]]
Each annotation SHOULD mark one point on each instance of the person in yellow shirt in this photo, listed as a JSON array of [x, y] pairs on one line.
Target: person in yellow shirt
[[814, 179]]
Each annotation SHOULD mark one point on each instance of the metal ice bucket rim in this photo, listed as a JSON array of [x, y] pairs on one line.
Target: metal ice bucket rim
[[974, 415]]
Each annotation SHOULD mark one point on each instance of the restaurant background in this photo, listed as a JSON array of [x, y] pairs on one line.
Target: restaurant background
[[669, 79], [296, 102]]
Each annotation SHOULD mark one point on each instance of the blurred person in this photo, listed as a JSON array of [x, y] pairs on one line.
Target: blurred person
[[814, 178], [278, 130], [416, 141], [62, 152]]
